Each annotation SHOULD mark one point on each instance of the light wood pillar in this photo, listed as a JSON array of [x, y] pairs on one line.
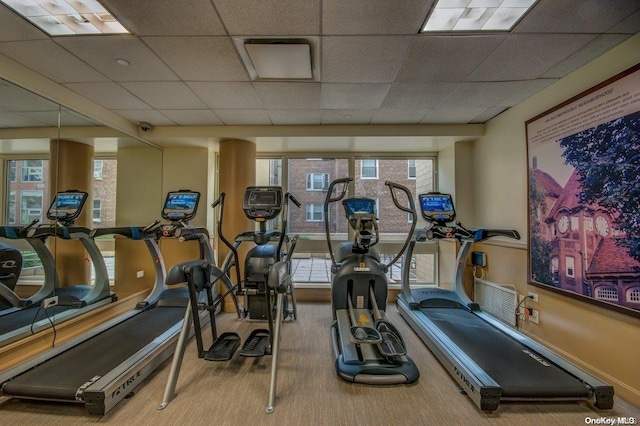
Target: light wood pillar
[[71, 167], [237, 171]]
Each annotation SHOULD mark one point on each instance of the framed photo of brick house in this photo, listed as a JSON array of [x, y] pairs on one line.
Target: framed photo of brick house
[[584, 190]]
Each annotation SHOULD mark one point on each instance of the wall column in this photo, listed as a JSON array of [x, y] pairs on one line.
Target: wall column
[[71, 167], [237, 171]]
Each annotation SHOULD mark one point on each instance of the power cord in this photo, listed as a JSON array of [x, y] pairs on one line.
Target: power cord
[[524, 299], [53, 325], [481, 274]]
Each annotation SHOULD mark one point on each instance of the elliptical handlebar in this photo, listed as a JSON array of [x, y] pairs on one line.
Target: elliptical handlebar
[[328, 200], [289, 196], [411, 209], [236, 257]]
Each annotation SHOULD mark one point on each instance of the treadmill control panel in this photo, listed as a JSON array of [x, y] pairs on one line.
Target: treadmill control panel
[[437, 207], [180, 205], [67, 206]]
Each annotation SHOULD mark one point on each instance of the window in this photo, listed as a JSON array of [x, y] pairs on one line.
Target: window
[[575, 223], [633, 295], [376, 207], [317, 181], [607, 292], [31, 206], [570, 266], [588, 224], [369, 169], [32, 170], [97, 169], [12, 171], [314, 213], [11, 207], [96, 210], [411, 169]]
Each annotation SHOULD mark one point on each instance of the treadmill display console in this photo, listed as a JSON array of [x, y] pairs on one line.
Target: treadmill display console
[[437, 207], [67, 206], [180, 205], [359, 205], [262, 202]]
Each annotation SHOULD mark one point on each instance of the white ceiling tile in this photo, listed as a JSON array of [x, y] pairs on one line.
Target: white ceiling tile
[[16, 99], [631, 25], [16, 120], [358, 59], [102, 52], [259, 17], [15, 28], [288, 95], [200, 58], [576, 16], [446, 58], [583, 56], [192, 117], [342, 17], [527, 56], [108, 94], [167, 17], [165, 95], [152, 116], [51, 61], [527, 90], [397, 116], [481, 94], [235, 117], [353, 96], [409, 96], [451, 115], [295, 116], [488, 114], [228, 95]]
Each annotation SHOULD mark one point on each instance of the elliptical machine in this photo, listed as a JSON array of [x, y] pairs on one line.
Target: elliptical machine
[[368, 348], [267, 274]]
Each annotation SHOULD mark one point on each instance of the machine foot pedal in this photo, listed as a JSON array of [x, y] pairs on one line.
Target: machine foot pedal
[[365, 335], [223, 348], [256, 344], [392, 343]]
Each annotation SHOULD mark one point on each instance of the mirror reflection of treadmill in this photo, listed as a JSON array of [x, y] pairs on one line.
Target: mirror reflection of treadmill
[[72, 300], [125, 349]]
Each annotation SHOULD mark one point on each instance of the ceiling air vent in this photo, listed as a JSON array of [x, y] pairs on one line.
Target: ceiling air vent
[[277, 59]]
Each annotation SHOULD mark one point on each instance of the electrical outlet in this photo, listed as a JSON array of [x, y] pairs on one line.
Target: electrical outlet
[[50, 301], [535, 316], [533, 296]]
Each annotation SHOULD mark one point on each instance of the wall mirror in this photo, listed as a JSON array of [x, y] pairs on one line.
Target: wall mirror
[[46, 150]]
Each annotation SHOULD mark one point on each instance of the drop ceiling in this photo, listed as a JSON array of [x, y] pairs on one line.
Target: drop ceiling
[[373, 68]]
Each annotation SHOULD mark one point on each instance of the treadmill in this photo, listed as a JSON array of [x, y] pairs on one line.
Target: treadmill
[[491, 361], [101, 367], [30, 316]]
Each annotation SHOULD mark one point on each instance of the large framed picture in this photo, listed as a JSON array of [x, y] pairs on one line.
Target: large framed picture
[[584, 195]]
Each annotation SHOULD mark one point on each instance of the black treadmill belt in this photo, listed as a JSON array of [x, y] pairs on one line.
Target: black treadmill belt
[[33, 314], [60, 377], [27, 316], [520, 372]]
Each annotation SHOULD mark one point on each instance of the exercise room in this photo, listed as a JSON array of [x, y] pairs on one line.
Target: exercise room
[[325, 212]]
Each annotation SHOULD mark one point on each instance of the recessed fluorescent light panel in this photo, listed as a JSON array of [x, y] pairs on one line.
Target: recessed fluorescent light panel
[[67, 17], [476, 15]]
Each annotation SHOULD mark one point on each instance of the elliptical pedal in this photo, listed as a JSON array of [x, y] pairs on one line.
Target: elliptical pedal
[[256, 344], [223, 348]]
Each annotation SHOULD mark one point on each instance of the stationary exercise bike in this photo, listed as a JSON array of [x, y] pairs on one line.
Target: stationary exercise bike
[[368, 348], [267, 288]]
